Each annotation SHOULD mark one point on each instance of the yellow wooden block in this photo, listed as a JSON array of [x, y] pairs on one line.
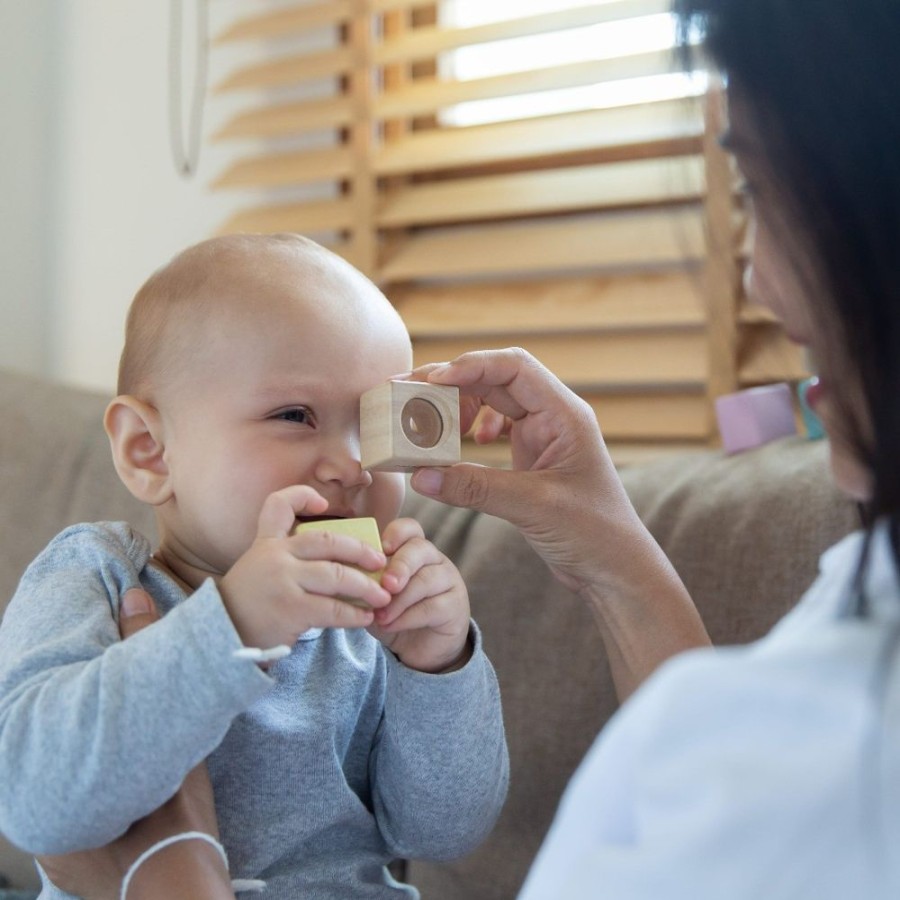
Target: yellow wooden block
[[363, 529]]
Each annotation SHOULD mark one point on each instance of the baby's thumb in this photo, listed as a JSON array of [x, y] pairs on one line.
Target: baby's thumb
[[136, 611]]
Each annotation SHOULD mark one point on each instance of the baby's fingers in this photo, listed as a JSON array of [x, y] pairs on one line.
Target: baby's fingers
[[280, 510], [424, 584], [312, 543], [410, 558], [400, 532], [334, 580], [414, 612]]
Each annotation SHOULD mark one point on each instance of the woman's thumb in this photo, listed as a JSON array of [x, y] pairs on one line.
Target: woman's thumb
[[137, 611], [488, 490]]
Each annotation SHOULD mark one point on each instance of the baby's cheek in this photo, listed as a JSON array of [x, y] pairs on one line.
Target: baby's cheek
[[385, 497]]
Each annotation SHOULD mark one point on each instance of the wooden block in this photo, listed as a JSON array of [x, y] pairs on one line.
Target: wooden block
[[364, 529], [406, 424], [754, 417]]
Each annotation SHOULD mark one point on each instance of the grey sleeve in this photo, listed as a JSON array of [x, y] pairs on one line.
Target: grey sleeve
[[76, 702], [440, 765]]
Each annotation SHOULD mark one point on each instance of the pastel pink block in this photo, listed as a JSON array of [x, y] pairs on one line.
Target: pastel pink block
[[756, 416]]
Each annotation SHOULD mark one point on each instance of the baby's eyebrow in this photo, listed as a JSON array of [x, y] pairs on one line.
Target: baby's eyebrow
[[281, 392]]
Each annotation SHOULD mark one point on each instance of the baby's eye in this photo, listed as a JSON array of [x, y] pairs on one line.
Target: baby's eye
[[299, 414]]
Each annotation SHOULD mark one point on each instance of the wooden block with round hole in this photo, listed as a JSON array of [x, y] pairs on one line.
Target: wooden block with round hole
[[407, 424]]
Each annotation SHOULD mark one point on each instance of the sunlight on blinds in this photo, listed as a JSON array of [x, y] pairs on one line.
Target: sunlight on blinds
[[529, 172], [611, 40]]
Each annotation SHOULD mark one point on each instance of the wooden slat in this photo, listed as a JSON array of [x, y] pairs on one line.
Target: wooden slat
[[665, 416], [756, 314], [361, 140], [423, 43], [285, 22], [434, 95], [532, 193], [413, 6], [288, 70], [623, 453], [663, 128], [629, 453], [304, 218], [288, 118], [646, 300], [283, 169], [620, 239], [721, 274], [642, 359], [766, 355]]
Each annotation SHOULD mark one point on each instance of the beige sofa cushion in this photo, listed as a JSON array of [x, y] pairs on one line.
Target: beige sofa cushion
[[55, 470]]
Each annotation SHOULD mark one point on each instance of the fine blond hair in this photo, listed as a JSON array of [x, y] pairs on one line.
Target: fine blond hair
[[191, 286]]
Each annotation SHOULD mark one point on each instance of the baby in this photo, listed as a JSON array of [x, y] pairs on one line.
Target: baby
[[380, 735]]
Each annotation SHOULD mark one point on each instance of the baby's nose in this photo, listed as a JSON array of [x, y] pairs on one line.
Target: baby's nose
[[340, 462]]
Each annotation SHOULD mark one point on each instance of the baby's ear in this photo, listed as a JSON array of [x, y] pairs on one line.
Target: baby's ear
[[136, 439]]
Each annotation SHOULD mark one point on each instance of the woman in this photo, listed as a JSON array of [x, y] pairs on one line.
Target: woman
[[768, 770]]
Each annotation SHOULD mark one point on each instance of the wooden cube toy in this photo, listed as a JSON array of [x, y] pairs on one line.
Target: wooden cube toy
[[364, 529], [756, 416], [406, 424]]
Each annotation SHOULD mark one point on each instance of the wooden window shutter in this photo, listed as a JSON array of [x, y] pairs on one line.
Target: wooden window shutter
[[608, 241]]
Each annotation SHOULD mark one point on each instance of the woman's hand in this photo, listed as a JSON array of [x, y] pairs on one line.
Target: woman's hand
[[564, 495], [563, 492], [187, 870]]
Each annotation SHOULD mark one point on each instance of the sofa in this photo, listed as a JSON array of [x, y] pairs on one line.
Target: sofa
[[745, 533]]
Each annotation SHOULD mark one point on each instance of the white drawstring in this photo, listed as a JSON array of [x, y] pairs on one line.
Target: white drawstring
[[260, 656], [237, 884]]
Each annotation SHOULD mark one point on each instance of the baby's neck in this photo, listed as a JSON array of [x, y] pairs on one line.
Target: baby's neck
[[187, 576]]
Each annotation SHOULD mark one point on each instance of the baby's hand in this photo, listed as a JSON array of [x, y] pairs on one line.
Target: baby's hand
[[426, 624], [286, 584]]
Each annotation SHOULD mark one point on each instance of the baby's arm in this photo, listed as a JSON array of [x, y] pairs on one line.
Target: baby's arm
[[440, 767], [75, 701]]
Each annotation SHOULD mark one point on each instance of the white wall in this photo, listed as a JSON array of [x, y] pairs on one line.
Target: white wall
[[91, 199], [28, 48], [122, 208]]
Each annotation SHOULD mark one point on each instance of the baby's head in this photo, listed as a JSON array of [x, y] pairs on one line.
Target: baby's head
[[244, 361]]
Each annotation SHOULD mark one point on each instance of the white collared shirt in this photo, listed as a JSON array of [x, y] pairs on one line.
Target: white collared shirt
[[768, 771]]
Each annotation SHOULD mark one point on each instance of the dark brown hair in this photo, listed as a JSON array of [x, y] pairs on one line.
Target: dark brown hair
[[819, 78]]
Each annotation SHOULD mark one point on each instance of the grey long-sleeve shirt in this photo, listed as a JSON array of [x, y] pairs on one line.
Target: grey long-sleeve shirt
[[324, 768]]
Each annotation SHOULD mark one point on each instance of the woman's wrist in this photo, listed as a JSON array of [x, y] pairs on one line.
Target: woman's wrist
[[644, 612], [183, 870]]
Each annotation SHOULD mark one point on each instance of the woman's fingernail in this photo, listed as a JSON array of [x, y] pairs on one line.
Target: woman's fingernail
[[439, 370], [135, 603], [428, 481]]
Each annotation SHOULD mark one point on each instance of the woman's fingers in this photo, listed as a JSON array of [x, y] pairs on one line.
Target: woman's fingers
[[511, 381], [137, 611]]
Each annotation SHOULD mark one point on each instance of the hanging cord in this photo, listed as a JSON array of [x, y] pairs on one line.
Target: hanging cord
[[187, 157]]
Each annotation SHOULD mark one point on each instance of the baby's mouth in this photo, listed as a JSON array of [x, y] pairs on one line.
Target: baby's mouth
[[318, 518]]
